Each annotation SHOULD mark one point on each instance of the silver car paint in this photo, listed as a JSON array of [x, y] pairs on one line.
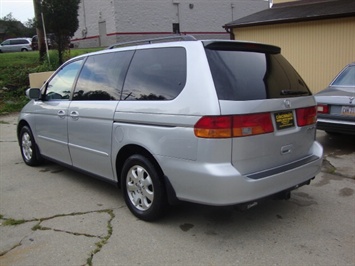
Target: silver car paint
[[337, 96], [211, 171]]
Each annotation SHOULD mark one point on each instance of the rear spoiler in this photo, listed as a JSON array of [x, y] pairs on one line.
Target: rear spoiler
[[241, 46]]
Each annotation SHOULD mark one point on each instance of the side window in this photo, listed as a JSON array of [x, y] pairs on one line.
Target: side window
[[102, 77], [7, 42], [60, 86], [156, 74], [19, 41]]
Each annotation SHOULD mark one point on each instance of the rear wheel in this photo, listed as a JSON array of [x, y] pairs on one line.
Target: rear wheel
[[28, 147], [143, 189], [24, 50]]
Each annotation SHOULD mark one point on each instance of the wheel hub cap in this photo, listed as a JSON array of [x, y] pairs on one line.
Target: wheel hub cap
[[140, 188]]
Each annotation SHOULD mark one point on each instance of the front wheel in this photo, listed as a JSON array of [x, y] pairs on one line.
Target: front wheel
[[28, 147], [143, 189]]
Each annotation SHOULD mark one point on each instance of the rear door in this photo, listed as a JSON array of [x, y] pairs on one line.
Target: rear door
[[97, 93], [272, 108]]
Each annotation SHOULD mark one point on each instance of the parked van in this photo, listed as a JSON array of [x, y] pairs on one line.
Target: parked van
[[16, 45], [213, 122]]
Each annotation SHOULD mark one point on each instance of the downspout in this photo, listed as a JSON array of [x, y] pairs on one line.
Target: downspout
[[85, 30], [230, 31]]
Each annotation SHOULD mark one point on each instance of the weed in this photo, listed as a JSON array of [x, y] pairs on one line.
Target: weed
[[11, 222]]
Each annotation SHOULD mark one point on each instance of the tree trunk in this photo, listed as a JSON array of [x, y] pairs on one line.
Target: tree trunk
[[39, 29]]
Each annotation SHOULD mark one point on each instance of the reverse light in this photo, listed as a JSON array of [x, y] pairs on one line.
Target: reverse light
[[323, 109], [306, 116], [233, 126]]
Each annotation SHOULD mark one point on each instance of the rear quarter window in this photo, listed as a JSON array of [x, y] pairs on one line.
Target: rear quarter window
[[156, 74], [248, 75]]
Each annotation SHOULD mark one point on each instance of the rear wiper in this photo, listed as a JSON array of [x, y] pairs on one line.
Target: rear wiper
[[288, 92]]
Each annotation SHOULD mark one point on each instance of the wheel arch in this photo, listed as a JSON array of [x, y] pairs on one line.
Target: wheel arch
[[20, 125], [129, 150], [132, 149]]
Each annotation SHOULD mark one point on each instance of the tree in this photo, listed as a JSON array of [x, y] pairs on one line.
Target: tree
[[12, 28], [39, 28], [30, 28], [61, 19]]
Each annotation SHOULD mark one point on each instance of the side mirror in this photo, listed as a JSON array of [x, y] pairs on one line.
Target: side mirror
[[33, 94]]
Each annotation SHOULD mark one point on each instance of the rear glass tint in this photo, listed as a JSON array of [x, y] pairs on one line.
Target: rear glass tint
[[248, 75]]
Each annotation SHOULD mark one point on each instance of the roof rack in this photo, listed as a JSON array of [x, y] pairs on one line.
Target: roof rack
[[155, 40]]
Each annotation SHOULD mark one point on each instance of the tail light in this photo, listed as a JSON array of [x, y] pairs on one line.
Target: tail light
[[323, 109], [306, 116], [252, 124], [233, 126]]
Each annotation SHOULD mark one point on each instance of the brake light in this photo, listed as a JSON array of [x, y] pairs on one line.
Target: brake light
[[306, 116], [252, 124], [323, 109], [233, 126]]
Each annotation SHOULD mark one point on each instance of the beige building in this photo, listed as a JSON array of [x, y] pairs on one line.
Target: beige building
[[317, 37]]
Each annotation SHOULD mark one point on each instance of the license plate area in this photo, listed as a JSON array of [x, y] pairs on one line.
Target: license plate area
[[284, 120], [348, 110]]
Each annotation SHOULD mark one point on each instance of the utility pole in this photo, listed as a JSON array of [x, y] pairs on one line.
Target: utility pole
[[39, 29]]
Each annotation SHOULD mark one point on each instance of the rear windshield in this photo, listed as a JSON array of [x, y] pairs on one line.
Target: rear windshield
[[252, 75], [346, 78]]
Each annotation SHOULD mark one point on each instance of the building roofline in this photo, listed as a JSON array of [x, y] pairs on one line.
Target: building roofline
[[299, 11]]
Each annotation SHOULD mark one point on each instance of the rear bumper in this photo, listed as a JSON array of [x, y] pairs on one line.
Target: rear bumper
[[338, 126], [222, 184]]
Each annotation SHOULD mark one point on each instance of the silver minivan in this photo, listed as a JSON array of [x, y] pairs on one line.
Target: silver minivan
[[213, 122], [16, 45]]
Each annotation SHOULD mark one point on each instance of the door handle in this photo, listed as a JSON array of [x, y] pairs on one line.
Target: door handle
[[286, 149], [74, 115], [61, 113]]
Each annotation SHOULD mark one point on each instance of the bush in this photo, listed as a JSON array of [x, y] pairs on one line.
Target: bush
[[14, 71], [13, 84]]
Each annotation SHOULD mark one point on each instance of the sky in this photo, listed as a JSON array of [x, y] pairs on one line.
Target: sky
[[21, 10]]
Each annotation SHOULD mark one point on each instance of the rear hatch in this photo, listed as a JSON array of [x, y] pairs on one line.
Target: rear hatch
[[271, 109]]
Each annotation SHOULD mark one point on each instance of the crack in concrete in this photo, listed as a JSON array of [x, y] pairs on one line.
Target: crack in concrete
[[98, 245]]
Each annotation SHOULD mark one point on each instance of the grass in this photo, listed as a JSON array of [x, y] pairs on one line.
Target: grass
[[14, 71], [32, 58], [12, 222]]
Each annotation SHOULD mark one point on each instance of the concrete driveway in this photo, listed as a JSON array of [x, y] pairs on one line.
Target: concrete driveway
[[51, 215]]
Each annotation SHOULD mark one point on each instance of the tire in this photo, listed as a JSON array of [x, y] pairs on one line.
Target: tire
[[28, 147], [143, 188], [24, 50]]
